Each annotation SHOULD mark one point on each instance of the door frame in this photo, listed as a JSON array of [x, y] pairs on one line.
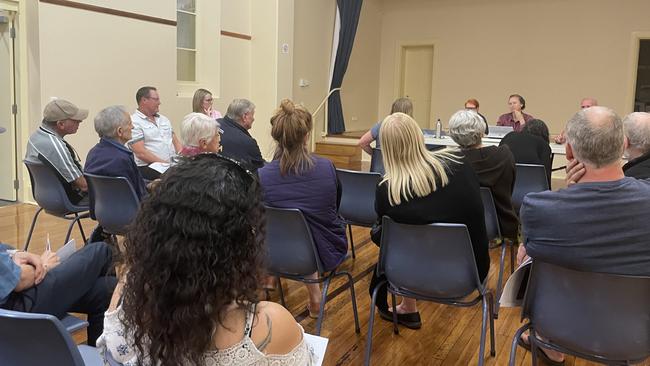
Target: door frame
[[12, 127], [398, 72]]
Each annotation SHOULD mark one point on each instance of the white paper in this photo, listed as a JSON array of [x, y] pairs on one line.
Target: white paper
[[511, 289], [159, 167], [67, 250], [318, 345]]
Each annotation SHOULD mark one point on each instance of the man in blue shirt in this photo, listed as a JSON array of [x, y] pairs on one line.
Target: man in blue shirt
[[82, 283]]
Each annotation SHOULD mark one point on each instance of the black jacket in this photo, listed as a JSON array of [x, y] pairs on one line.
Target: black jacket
[[238, 144], [638, 168]]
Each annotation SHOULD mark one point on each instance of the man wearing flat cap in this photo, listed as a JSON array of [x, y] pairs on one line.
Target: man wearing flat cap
[[47, 146]]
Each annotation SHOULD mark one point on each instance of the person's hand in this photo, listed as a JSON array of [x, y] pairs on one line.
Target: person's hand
[[22, 258], [575, 170], [50, 260], [560, 139], [208, 111], [521, 254], [518, 116]]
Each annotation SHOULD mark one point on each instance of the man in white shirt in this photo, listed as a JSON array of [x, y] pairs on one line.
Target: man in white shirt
[[153, 138]]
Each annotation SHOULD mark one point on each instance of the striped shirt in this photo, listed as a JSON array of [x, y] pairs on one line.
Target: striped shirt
[[56, 151]]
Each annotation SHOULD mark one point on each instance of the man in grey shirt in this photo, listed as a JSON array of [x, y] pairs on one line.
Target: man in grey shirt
[[47, 146], [599, 223]]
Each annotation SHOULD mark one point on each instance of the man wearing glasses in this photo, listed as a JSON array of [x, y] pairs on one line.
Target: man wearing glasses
[[153, 138]]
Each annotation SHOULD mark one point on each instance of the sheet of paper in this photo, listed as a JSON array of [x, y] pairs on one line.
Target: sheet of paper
[[319, 345], [67, 250], [511, 290], [159, 167]]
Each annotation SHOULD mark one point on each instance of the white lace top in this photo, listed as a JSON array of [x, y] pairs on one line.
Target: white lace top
[[116, 348]]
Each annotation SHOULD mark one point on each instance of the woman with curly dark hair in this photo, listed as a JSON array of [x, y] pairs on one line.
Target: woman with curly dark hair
[[193, 260]]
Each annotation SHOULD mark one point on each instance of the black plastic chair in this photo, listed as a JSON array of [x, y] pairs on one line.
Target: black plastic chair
[[494, 233], [357, 199], [529, 178], [377, 161], [293, 255], [40, 339], [595, 316], [51, 197], [113, 202], [432, 262]]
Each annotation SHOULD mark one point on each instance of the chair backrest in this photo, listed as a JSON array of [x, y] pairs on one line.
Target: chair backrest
[[35, 339], [290, 245], [600, 315], [490, 213], [377, 161], [434, 261], [529, 178], [113, 202], [358, 196], [48, 190]]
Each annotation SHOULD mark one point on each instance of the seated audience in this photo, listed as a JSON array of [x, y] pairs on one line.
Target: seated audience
[[153, 140], [495, 167], [199, 134], [584, 103], [297, 179], [237, 143], [422, 187], [637, 131], [530, 146], [402, 105], [43, 284], [47, 146], [110, 157], [472, 105], [192, 266], [202, 103], [516, 117], [599, 223]]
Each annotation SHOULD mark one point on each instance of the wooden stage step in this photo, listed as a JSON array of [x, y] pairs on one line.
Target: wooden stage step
[[344, 156]]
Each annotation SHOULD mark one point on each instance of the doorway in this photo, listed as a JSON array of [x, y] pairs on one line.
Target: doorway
[[416, 80], [8, 109]]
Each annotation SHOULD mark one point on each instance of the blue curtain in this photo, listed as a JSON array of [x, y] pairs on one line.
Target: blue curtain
[[349, 11]]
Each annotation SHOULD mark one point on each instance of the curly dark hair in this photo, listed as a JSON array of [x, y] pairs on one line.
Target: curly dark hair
[[195, 247]]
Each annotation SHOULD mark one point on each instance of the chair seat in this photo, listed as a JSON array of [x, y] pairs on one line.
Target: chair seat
[[73, 324], [90, 355]]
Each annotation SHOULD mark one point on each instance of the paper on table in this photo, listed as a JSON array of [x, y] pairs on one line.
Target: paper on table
[[319, 345], [159, 167], [67, 250]]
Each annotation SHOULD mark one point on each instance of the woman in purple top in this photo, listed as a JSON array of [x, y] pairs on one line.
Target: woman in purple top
[[516, 117], [297, 179]]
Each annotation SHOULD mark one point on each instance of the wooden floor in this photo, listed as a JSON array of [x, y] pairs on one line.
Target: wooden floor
[[449, 335]]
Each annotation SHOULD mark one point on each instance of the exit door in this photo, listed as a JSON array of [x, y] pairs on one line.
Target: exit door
[[416, 81], [8, 187]]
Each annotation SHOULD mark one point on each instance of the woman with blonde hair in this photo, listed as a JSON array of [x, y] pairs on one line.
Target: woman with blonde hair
[[199, 134], [403, 105], [297, 179], [419, 188], [202, 103]]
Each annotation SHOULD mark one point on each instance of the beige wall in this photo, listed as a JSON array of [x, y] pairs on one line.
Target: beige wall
[[552, 52], [360, 88]]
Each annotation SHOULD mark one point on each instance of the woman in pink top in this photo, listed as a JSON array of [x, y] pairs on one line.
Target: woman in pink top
[[516, 117], [202, 103]]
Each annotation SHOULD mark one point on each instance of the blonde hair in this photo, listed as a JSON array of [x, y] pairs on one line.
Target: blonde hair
[[290, 126], [411, 170], [197, 100], [197, 126]]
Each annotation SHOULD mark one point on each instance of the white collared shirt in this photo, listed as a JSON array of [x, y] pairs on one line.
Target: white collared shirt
[[157, 136]]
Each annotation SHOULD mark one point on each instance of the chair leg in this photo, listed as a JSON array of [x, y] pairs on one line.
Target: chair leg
[[321, 311], [491, 305], [513, 347], [481, 348], [81, 229], [513, 254], [31, 228], [394, 300], [357, 329], [354, 255], [371, 323], [281, 292], [67, 236], [533, 347], [500, 280]]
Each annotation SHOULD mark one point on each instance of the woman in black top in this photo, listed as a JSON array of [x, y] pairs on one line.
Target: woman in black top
[[494, 166], [421, 187], [530, 146]]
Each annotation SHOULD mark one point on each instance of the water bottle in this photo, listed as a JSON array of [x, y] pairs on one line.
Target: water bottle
[[438, 129]]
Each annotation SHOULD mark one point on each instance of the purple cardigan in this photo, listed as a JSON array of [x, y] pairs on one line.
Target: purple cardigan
[[313, 193]]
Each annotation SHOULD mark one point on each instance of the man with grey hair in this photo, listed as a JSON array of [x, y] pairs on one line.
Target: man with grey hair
[[637, 131], [599, 223], [110, 157], [236, 142]]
